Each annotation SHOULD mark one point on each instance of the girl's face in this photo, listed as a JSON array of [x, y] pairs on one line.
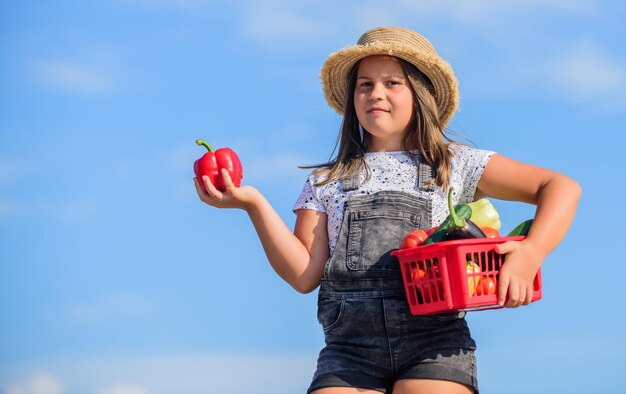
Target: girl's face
[[383, 101]]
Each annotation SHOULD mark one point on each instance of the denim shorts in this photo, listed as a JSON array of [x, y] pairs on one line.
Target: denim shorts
[[373, 341]]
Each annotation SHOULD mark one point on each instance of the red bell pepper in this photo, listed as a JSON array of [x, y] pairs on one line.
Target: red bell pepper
[[212, 163]]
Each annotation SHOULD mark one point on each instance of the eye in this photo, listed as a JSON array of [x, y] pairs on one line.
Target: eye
[[365, 84]]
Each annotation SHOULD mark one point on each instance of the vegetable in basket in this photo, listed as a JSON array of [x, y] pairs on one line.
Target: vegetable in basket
[[461, 228], [413, 239], [431, 290], [484, 214], [490, 232], [481, 212], [487, 285], [473, 277], [521, 229]]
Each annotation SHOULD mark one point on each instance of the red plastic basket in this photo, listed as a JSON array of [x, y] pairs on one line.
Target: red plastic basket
[[437, 278]]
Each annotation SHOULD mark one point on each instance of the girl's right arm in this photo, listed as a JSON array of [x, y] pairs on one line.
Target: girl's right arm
[[297, 257]]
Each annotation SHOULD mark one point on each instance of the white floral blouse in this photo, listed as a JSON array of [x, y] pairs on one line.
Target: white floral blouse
[[395, 171]]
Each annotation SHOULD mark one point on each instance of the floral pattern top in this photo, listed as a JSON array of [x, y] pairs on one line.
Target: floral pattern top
[[395, 171]]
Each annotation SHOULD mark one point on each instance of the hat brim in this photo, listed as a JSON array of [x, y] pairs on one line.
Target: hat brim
[[335, 71]]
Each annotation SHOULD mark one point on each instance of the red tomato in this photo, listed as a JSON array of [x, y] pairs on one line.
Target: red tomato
[[413, 239], [431, 230], [487, 285], [432, 289], [490, 232], [418, 274], [433, 272]]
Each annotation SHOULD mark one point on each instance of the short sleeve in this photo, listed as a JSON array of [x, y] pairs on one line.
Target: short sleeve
[[308, 198], [472, 162]]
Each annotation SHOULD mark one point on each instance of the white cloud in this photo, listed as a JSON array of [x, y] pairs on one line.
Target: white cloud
[[95, 73], [514, 58], [123, 389], [124, 305], [585, 72], [41, 383], [187, 373], [279, 21], [309, 22], [47, 383], [232, 373], [487, 15], [74, 77]]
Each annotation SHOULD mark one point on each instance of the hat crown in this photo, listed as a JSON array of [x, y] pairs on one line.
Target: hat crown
[[396, 36]]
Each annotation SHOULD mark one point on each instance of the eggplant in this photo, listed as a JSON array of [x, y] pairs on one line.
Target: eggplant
[[469, 230], [460, 227]]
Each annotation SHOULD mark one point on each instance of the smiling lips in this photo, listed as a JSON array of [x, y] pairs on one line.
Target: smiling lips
[[376, 110]]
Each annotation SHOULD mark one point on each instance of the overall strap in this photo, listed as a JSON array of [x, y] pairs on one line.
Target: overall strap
[[426, 173], [352, 183]]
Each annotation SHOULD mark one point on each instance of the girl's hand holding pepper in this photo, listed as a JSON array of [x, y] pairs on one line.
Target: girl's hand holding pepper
[[515, 283], [242, 197]]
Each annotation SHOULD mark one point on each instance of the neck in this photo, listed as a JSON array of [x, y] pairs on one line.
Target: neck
[[382, 147], [385, 143]]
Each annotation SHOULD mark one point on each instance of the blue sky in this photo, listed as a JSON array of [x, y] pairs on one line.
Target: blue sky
[[115, 279]]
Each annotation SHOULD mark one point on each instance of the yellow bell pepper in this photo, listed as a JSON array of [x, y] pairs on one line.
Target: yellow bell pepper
[[484, 214]]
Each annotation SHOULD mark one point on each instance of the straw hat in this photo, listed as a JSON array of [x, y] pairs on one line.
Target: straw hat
[[393, 41]]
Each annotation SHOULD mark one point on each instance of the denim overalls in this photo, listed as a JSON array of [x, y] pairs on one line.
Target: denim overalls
[[371, 337]]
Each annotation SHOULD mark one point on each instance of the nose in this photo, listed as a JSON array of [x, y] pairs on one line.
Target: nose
[[377, 91]]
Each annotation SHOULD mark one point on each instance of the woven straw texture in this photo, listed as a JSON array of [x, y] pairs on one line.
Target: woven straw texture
[[393, 41]]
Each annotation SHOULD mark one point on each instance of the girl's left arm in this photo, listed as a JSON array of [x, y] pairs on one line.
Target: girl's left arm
[[556, 197]]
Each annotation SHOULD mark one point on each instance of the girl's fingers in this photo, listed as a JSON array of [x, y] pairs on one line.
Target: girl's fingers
[[204, 197], [509, 299], [506, 247], [529, 295], [512, 297], [517, 296], [228, 182], [512, 294], [503, 287], [201, 192], [213, 192]]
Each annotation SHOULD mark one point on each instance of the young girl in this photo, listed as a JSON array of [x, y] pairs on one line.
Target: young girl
[[392, 173]]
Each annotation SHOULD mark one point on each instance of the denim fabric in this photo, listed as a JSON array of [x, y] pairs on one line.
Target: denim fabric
[[371, 338]]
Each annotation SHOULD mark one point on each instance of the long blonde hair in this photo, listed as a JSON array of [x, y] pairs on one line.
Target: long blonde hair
[[424, 134]]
